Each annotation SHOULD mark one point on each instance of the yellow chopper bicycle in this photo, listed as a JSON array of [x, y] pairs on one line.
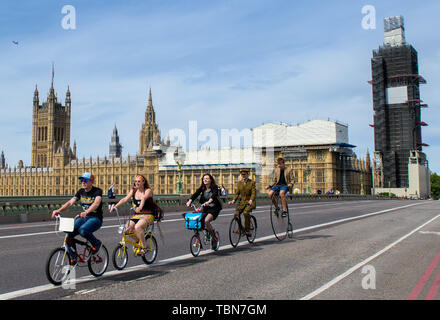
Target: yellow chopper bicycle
[[120, 253]]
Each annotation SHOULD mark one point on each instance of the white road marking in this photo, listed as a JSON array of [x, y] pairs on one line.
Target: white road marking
[[430, 232], [360, 264], [37, 289]]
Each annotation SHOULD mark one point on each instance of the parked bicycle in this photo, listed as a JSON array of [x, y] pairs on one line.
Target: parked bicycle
[[201, 236], [237, 230], [120, 253], [61, 262]]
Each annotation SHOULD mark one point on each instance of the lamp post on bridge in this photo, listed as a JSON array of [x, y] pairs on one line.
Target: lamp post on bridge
[[179, 157]]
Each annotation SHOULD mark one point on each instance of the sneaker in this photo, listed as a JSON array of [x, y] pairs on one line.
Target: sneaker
[[73, 258], [96, 248], [277, 211], [284, 214]]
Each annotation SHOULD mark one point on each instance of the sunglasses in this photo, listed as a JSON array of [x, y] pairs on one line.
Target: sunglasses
[[84, 180]]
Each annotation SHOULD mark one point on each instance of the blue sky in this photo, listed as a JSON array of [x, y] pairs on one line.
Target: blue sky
[[226, 64]]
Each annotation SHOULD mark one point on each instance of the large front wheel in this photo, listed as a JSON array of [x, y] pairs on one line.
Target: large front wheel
[[98, 262], [234, 232], [120, 257], [279, 222], [58, 266]]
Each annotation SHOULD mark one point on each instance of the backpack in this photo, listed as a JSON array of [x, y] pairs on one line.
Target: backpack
[[157, 211]]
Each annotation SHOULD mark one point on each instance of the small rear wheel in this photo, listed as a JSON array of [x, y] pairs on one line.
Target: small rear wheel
[[252, 230], [98, 262]]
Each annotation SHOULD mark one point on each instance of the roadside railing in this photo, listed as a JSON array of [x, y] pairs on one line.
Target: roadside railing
[[26, 206]]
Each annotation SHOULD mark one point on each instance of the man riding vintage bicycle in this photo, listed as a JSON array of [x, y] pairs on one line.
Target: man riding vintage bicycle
[[282, 184], [246, 190]]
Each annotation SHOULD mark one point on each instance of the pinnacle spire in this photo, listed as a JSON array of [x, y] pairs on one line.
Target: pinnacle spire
[[53, 74]]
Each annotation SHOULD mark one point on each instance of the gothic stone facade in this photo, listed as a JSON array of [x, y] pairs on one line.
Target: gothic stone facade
[[55, 167]]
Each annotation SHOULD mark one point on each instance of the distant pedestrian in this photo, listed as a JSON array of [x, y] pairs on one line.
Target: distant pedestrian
[[111, 194], [223, 191]]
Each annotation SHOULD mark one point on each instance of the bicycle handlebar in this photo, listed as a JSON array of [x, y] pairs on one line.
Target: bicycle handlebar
[[58, 216]]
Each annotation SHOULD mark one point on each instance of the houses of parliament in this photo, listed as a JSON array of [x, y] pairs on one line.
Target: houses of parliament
[[318, 153]]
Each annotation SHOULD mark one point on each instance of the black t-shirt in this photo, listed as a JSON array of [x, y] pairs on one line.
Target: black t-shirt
[[282, 178], [87, 199]]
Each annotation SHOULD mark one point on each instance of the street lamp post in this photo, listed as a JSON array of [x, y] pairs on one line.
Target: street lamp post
[[307, 172], [178, 157]]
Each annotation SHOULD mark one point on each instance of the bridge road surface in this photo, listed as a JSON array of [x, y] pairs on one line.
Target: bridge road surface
[[364, 249]]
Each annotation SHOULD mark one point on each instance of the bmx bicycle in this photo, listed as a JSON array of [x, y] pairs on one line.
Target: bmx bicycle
[[60, 263]]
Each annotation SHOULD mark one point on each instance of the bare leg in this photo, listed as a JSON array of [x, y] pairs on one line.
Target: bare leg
[[283, 200], [208, 226], [140, 227], [271, 192], [130, 229]]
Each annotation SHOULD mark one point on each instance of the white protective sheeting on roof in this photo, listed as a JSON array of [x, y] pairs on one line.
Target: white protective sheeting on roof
[[217, 156], [315, 132]]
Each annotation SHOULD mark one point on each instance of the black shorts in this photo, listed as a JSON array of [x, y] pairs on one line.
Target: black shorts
[[212, 210], [207, 210]]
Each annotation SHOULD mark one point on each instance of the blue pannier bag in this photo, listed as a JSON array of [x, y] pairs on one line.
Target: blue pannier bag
[[193, 221]]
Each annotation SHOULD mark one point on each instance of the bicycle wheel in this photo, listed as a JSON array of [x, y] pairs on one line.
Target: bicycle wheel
[[195, 245], [151, 253], [234, 232], [279, 223], [252, 229], [120, 257], [98, 262], [58, 266], [290, 230], [217, 244]]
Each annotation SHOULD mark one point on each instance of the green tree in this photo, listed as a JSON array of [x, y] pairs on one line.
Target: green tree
[[435, 186]]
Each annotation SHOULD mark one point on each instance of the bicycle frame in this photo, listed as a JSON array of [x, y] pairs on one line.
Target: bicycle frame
[[276, 196], [129, 237], [86, 253], [57, 263], [81, 256], [201, 239]]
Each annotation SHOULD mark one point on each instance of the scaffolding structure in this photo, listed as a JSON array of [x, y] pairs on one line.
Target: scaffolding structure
[[397, 119]]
